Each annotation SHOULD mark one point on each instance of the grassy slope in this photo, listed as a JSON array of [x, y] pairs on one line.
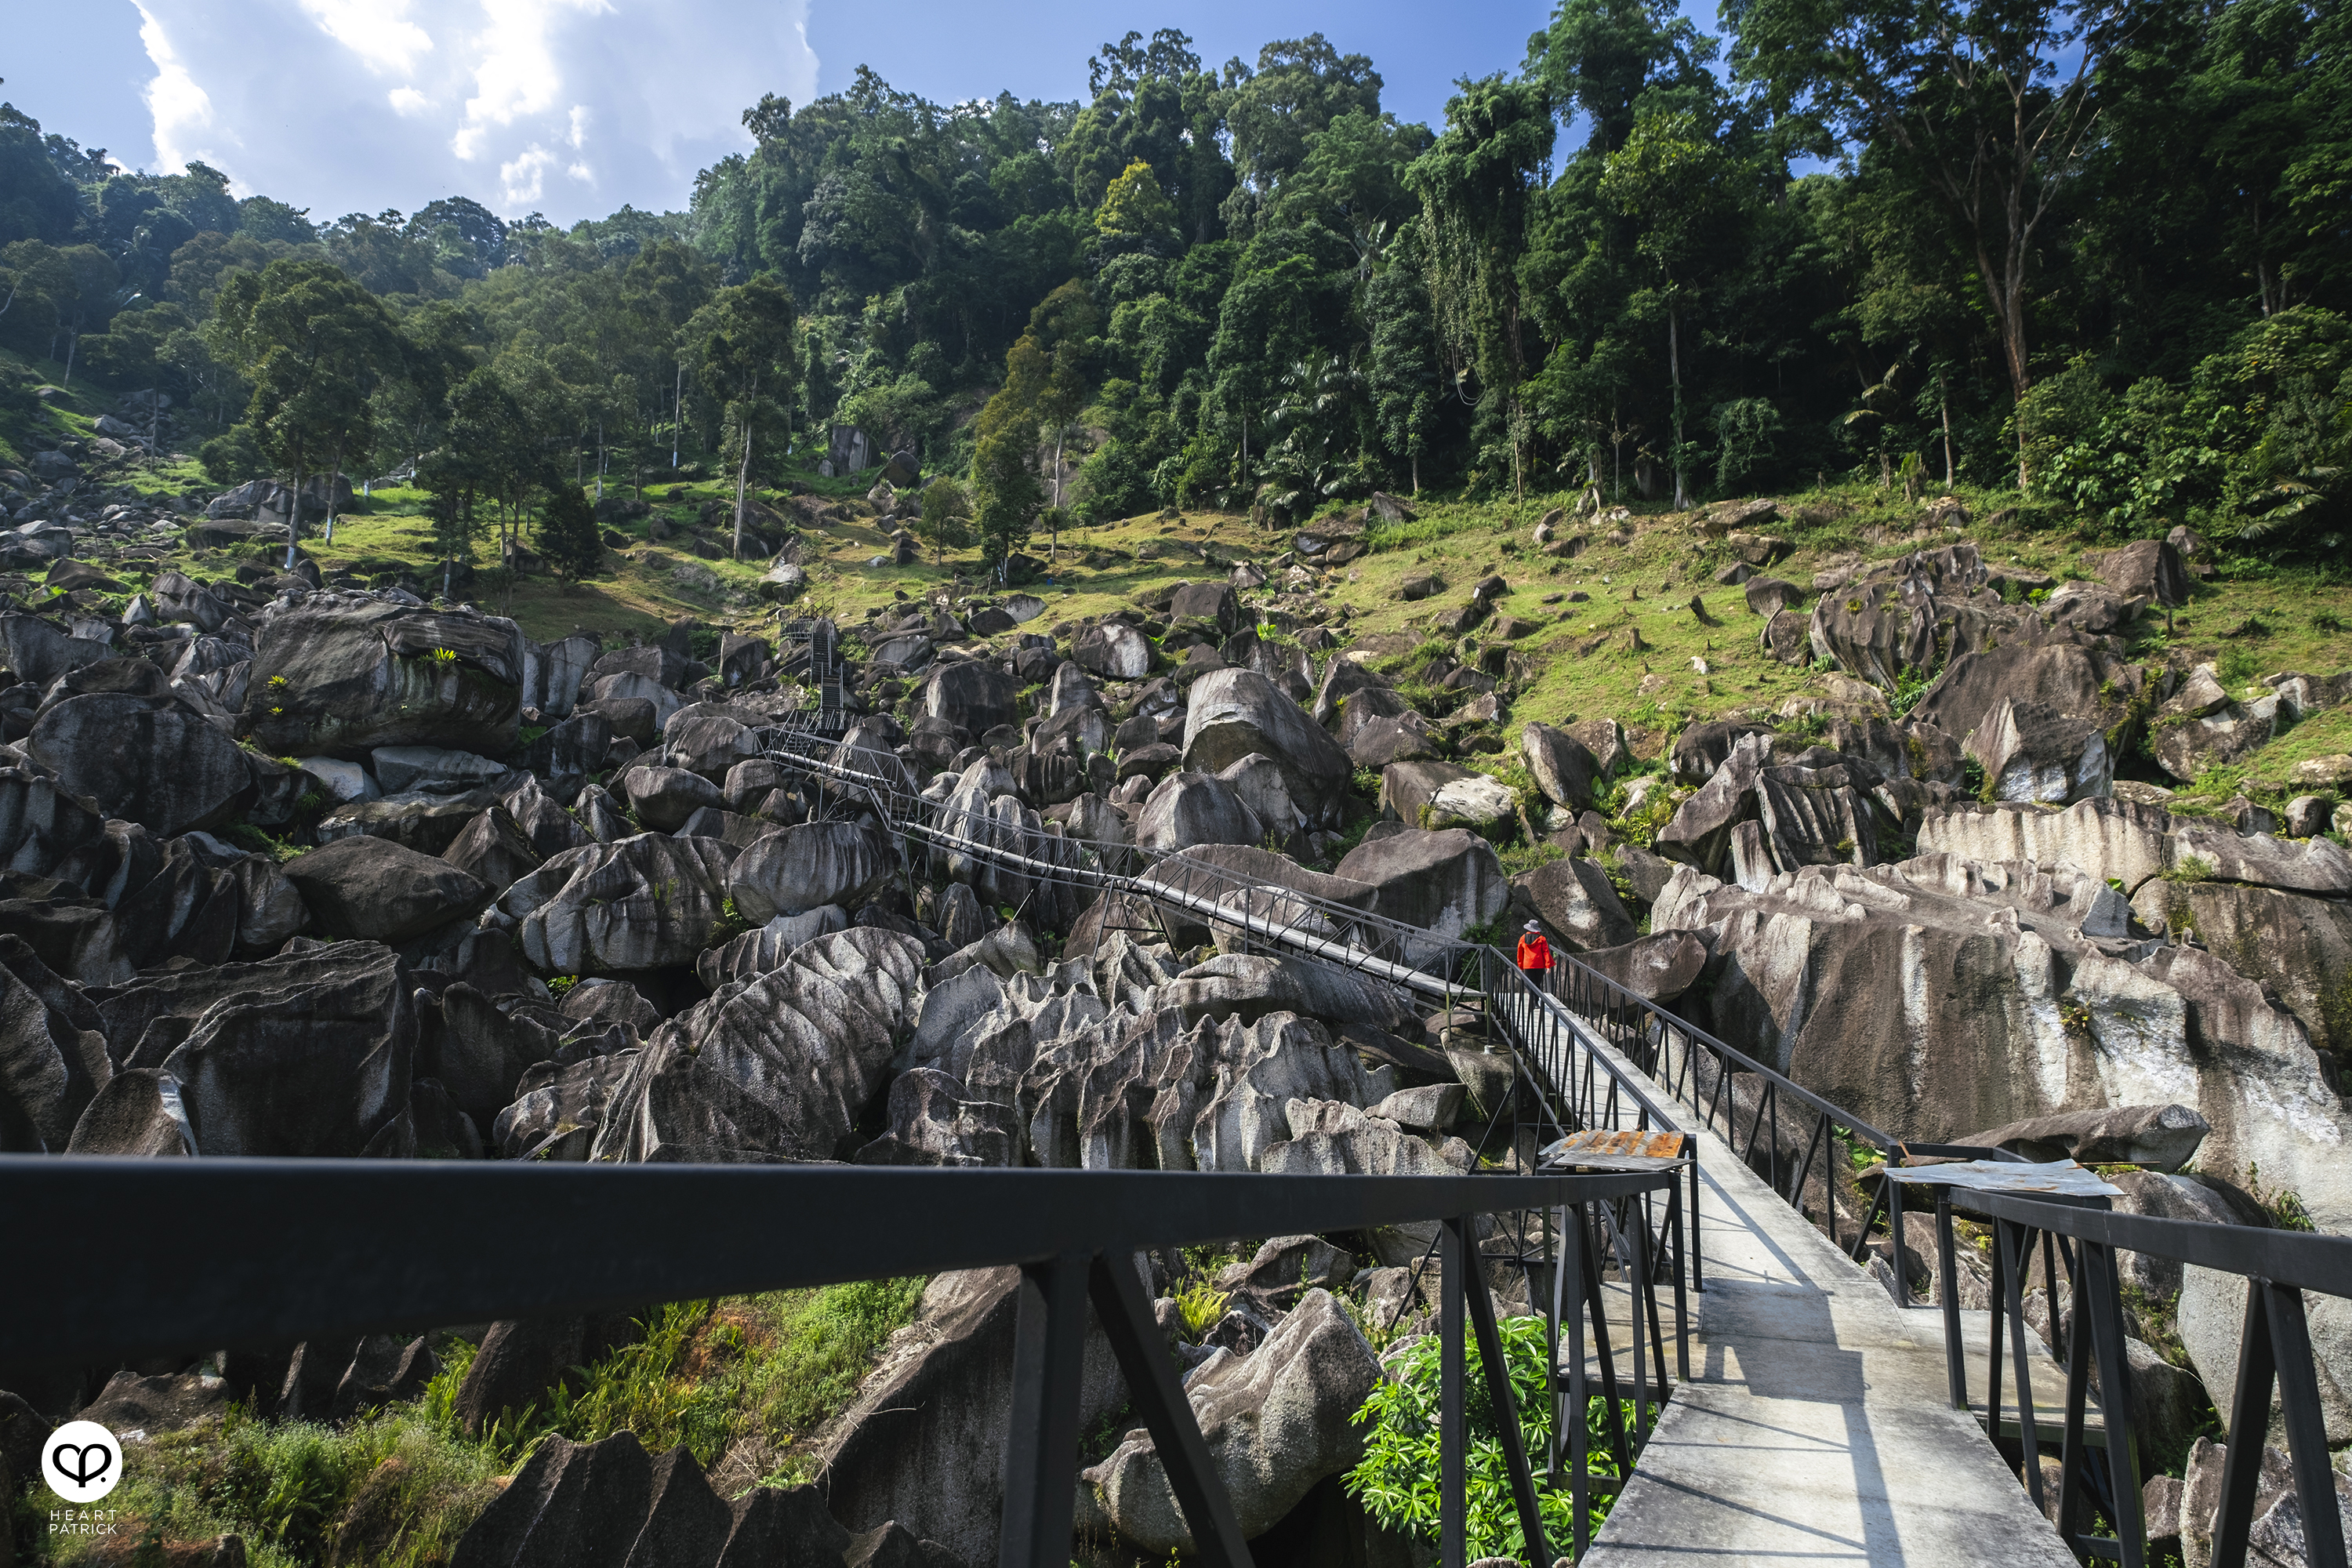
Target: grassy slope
[[398, 1488]]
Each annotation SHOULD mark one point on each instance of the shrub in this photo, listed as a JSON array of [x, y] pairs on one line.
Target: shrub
[[1397, 1481]]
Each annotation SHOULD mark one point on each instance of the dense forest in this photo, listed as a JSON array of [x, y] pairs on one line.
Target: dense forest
[[2099, 253]]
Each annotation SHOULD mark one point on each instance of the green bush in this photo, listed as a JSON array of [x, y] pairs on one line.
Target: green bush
[[1397, 1481]]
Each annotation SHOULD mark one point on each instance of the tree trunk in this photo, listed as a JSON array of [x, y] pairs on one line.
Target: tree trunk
[[1674, 365], [72, 343], [743, 473], [599, 459], [294, 511], [333, 468], [676, 413], [1944, 401]]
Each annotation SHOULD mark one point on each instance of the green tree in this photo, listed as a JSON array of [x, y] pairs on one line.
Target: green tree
[[1474, 186], [1135, 206], [1004, 456], [314, 344], [747, 349], [568, 536], [1987, 106], [944, 524], [1671, 178]]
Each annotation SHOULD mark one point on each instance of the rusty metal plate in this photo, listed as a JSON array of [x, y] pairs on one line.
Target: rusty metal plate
[[1616, 1149]]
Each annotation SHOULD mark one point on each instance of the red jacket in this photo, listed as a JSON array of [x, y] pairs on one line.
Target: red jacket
[[1534, 953]]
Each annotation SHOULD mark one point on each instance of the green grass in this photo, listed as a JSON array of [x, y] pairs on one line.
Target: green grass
[[399, 1487]]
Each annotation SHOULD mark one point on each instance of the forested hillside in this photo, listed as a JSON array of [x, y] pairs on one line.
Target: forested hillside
[[2099, 253]]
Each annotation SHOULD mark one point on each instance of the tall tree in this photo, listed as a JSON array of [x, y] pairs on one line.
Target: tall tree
[[1988, 105], [1673, 179], [748, 349], [1474, 186], [314, 344]]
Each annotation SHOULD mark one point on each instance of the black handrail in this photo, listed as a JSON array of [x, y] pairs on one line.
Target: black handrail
[[2275, 1350], [296, 1248]]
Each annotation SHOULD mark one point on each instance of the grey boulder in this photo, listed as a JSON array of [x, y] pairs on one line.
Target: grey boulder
[[650, 901], [147, 761], [1276, 1421], [376, 891]]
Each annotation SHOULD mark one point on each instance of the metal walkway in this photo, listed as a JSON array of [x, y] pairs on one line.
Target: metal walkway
[[1815, 1423], [1814, 1427]]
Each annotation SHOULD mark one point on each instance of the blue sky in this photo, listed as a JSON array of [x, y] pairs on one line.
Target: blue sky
[[573, 107]]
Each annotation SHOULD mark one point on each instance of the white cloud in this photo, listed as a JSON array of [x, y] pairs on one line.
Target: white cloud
[[525, 178], [378, 31], [572, 106], [182, 110]]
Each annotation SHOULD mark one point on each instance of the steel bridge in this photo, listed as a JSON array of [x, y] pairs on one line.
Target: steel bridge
[[1820, 1420]]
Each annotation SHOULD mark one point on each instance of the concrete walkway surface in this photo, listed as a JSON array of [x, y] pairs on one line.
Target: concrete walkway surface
[[1816, 1428]]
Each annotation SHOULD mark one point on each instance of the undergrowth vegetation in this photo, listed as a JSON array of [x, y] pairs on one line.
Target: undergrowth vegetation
[[398, 1486]]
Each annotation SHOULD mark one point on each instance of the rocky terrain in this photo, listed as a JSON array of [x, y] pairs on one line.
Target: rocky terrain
[[300, 866]]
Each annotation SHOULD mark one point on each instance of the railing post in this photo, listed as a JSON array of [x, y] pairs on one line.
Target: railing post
[[1041, 1450], [1501, 1399], [1453, 1474], [1151, 1382]]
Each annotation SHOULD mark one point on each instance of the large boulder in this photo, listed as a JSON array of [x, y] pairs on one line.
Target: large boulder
[[1189, 808], [552, 674], [2034, 754], [1578, 904], [905, 1451], [343, 673], [1276, 1421], [607, 1504], [2163, 1136], [1212, 602], [1659, 967], [2039, 1006], [53, 1058], [40, 823], [1562, 765], [807, 867], [376, 891], [645, 902], [973, 696], [2062, 676], [144, 760], [2145, 569], [1236, 713], [1113, 650], [1443, 881], [775, 1068], [664, 798], [306, 1054], [1249, 986]]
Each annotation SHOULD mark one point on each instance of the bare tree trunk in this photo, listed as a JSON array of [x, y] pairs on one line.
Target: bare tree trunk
[[743, 473], [1944, 401], [294, 512], [333, 468], [1674, 365], [72, 343]]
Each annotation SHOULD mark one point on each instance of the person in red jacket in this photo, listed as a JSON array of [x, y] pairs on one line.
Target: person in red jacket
[[1535, 953]]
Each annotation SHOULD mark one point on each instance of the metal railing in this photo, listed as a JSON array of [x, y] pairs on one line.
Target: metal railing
[[2274, 1353], [396, 1245]]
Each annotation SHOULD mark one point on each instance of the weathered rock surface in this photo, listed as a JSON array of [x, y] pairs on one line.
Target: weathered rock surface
[[377, 890], [1238, 713], [646, 902], [1275, 1421], [343, 673], [149, 762]]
